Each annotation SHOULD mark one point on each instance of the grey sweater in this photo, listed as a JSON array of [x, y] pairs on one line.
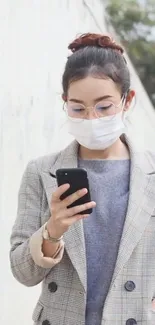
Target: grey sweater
[[109, 187]]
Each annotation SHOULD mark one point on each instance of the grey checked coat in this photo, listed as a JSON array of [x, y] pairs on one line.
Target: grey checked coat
[[63, 297]]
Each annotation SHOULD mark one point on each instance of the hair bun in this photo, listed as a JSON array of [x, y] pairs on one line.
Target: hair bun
[[97, 40]]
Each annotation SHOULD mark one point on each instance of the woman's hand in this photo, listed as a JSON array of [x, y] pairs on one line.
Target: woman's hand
[[61, 216]]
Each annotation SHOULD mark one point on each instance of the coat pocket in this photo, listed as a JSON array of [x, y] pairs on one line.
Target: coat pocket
[[37, 312]]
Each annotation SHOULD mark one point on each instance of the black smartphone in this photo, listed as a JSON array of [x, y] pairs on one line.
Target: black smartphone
[[78, 179]]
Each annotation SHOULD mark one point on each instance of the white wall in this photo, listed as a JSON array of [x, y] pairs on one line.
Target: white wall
[[33, 48]]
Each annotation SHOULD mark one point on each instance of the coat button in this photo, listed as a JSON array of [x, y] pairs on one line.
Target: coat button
[[46, 322], [52, 287], [131, 321], [130, 286]]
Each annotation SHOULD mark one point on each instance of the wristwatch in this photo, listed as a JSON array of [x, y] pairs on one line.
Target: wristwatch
[[47, 236]]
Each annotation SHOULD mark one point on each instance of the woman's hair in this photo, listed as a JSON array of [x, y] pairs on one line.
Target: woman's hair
[[98, 56]]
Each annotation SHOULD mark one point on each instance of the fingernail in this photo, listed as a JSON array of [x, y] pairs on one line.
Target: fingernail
[[84, 190]]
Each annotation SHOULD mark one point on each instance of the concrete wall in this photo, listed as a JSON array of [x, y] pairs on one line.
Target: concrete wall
[[33, 48]]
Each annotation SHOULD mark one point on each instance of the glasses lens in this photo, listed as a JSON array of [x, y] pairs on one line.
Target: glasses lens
[[105, 108], [75, 110], [79, 111]]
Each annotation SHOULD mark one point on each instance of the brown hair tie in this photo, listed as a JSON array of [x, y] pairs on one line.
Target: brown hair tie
[[97, 40]]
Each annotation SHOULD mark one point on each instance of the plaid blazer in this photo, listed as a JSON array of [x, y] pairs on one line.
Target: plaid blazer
[[63, 296]]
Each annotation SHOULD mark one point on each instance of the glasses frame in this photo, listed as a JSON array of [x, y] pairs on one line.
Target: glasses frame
[[87, 108]]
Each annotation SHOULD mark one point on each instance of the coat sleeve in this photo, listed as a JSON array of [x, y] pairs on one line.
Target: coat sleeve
[[28, 264]]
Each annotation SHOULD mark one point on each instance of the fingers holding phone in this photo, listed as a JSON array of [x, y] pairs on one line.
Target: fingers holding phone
[[70, 202]]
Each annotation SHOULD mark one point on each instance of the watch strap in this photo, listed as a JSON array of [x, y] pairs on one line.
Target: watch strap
[[47, 236]]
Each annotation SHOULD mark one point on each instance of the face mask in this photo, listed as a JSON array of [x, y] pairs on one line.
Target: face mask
[[97, 134]]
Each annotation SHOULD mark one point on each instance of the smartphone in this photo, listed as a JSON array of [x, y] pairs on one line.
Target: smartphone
[[78, 179]]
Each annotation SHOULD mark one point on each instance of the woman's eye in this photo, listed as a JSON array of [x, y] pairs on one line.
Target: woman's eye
[[77, 109], [104, 107]]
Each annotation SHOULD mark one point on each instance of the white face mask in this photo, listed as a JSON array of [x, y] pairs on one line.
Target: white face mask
[[97, 134]]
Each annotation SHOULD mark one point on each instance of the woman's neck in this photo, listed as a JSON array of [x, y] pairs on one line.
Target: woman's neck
[[118, 150]]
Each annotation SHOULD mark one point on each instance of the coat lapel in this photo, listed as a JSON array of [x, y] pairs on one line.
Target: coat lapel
[[140, 206], [74, 237]]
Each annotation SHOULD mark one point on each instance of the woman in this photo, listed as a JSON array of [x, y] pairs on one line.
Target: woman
[[96, 269]]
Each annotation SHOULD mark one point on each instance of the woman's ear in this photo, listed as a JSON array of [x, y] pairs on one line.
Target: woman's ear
[[64, 97], [129, 98]]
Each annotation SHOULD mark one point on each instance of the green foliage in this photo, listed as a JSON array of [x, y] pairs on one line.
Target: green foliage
[[134, 22]]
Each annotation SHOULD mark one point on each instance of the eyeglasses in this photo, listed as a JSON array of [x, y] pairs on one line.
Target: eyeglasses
[[102, 109]]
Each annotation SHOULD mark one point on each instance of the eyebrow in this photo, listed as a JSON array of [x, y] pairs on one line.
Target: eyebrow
[[95, 100]]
